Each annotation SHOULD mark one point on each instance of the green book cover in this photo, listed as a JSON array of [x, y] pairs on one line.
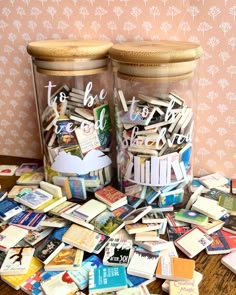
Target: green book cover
[[191, 216]]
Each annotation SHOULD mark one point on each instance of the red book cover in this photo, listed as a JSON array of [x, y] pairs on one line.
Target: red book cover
[[230, 238], [110, 195]]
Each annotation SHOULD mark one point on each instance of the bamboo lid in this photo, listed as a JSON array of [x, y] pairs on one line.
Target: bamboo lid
[[160, 60], [155, 52], [69, 57], [69, 49]]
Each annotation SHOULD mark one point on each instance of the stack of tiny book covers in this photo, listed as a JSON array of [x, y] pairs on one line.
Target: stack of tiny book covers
[[105, 244]]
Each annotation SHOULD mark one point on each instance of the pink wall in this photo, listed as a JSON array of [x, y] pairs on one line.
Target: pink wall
[[210, 23]]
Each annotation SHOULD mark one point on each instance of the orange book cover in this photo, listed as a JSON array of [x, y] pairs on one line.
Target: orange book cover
[[175, 268], [109, 195]]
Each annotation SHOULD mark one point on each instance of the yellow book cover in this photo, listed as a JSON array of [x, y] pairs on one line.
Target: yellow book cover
[[50, 204], [66, 259], [81, 237], [15, 281]]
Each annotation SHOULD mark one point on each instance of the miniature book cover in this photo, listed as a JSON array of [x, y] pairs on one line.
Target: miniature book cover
[[9, 208], [213, 225], [154, 246], [172, 222], [38, 234], [174, 232], [10, 236], [8, 170], [21, 189], [27, 219], [88, 140], [66, 259], [90, 209], [102, 112], [153, 217], [191, 216], [184, 288], [65, 133], [107, 279], [101, 244], [171, 198], [16, 281], [49, 117], [61, 283], [193, 241], [77, 188], [47, 250], [230, 238], [110, 195], [219, 244], [81, 276], [32, 285], [141, 227], [50, 204], [138, 262], [175, 268], [229, 261], [230, 224], [107, 223], [35, 198], [117, 252], [124, 211], [213, 180], [26, 167], [147, 236], [17, 261], [209, 207], [137, 215], [81, 237], [30, 178]]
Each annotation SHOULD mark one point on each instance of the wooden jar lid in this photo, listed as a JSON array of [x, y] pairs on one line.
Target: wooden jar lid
[[156, 59], [69, 56]]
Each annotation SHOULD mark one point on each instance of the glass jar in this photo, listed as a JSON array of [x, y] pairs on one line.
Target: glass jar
[[155, 95], [71, 95]]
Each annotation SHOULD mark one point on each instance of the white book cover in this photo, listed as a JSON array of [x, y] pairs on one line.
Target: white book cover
[[229, 261], [90, 209], [213, 180], [141, 259], [209, 207], [35, 198], [17, 261], [137, 215], [59, 284], [193, 241], [53, 189], [11, 236]]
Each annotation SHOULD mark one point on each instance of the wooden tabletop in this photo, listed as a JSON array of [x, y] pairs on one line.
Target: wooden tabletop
[[217, 279]]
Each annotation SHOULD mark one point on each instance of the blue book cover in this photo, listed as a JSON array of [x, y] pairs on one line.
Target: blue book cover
[[59, 232], [28, 219], [134, 281], [35, 198], [6, 205], [107, 279], [81, 276], [77, 188], [171, 198], [219, 244]]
